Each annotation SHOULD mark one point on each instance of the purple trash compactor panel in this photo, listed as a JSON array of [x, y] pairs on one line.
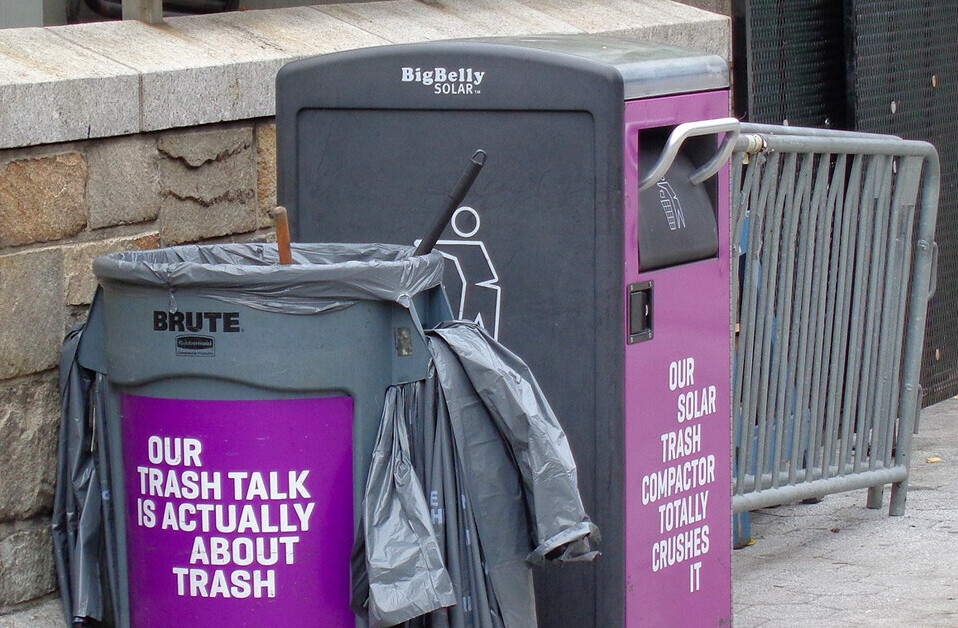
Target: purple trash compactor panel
[[678, 412], [239, 513]]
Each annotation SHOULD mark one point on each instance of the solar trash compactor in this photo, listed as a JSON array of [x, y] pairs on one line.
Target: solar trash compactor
[[580, 249]]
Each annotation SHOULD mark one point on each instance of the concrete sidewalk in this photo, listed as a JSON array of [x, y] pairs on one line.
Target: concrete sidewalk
[[836, 563]]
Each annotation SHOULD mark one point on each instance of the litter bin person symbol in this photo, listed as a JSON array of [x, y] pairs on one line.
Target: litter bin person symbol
[[470, 277]]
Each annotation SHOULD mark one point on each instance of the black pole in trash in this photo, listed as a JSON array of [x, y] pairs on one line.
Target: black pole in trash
[[459, 191]]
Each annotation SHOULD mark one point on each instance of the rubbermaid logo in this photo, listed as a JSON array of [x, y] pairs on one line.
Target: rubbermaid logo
[[446, 81], [195, 345]]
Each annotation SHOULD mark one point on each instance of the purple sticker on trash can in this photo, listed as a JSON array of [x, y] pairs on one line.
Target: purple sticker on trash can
[[239, 513]]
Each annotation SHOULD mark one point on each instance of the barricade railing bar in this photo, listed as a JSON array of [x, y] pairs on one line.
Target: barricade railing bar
[[835, 232]]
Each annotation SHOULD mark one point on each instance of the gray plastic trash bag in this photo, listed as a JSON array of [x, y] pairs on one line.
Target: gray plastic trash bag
[[497, 475], [403, 561], [436, 461], [493, 489], [323, 277], [77, 532], [84, 539], [529, 427]]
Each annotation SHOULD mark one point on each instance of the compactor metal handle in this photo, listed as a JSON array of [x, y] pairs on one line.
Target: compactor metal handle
[[729, 126]]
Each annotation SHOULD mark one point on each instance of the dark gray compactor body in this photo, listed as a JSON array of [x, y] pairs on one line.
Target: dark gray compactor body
[[552, 251]]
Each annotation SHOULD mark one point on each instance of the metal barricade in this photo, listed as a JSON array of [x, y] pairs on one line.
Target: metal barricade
[[838, 261]]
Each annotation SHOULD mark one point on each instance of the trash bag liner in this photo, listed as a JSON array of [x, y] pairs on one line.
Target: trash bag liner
[[535, 439], [406, 574], [76, 521], [498, 476], [492, 487], [84, 540], [444, 483], [322, 277]]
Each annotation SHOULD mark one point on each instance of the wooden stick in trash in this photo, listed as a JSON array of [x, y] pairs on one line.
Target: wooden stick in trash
[[281, 222]]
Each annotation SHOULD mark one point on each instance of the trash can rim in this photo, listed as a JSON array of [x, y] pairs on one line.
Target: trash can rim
[[241, 264]]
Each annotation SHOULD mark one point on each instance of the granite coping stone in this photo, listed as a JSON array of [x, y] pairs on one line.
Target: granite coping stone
[[52, 90], [400, 21], [105, 79]]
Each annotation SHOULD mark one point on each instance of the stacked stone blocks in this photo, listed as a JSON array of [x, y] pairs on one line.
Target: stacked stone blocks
[[62, 206]]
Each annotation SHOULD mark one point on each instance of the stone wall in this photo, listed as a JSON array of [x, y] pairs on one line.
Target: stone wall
[[121, 136], [61, 206]]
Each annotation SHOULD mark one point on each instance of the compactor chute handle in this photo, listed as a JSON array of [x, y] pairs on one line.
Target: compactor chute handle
[[729, 126]]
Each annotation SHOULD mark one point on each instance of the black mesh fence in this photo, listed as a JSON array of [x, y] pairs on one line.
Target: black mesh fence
[[883, 66], [796, 63], [904, 73]]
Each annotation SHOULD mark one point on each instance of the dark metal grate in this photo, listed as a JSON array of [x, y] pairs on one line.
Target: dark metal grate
[[796, 63], [869, 65], [903, 80]]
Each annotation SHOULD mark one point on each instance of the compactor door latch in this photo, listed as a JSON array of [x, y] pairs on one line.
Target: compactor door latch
[[640, 312]]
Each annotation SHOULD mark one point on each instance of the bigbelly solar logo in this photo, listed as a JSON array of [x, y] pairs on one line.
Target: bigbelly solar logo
[[446, 81]]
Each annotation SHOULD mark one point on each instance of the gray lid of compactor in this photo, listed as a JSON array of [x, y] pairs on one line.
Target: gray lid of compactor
[[647, 69]]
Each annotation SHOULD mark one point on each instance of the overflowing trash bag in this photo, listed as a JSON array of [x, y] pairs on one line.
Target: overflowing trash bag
[[84, 536], [471, 461]]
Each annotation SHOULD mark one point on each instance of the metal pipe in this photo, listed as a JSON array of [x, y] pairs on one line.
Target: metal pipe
[[455, 196], [771, 129], [764, 483], [855, 144], [832, 268], [682, 132], [114, 8], [908, 409], [817, 488], [825, 298]]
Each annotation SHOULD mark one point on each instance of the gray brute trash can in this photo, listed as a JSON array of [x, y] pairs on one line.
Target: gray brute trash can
[[249, 397]]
